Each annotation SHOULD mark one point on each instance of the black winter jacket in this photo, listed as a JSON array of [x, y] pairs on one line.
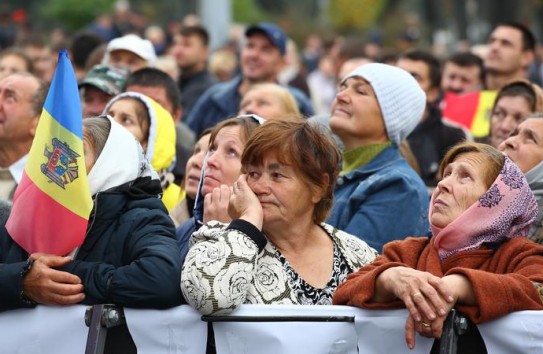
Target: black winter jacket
[[130, 256]]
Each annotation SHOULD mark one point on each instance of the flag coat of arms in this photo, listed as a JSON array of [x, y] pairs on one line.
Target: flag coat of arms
[[52, 203]]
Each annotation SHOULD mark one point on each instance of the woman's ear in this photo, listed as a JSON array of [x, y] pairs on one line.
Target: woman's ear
[[319, 192]]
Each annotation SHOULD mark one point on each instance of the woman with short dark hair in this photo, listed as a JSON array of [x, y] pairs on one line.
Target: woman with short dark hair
[[277, 250]]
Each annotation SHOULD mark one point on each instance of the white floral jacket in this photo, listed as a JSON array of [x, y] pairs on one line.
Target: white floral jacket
[[224, 268]]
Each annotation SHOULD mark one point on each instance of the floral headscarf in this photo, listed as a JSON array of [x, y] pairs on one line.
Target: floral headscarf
[[505, 211]]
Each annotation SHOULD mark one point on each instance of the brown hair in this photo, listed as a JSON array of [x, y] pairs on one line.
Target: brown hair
[[310, 150], [523, 88], [493, 159], [246, 123]]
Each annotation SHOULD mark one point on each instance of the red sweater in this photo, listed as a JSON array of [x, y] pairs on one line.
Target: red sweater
[[502, 279]]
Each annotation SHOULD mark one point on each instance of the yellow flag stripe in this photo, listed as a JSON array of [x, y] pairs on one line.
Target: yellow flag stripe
[[480, 127], [75, 195]]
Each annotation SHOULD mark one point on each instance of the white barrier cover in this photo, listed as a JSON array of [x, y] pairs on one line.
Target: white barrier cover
[[176, 330], [45, 329], [286, 337], [519, 332], [376, 332], [50, 329]]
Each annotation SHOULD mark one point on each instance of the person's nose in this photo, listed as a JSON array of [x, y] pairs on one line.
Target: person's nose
[[508, 144], [444, 184], [247, 109], [260, 185], [213, 160]]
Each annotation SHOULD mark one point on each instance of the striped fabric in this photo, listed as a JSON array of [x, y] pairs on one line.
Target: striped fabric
[[52, 203], [471, 110]]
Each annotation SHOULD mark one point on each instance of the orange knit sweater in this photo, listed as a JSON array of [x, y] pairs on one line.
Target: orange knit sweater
[[502, 279]]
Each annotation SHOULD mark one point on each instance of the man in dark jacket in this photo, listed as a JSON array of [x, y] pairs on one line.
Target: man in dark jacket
[[262, 57], [129, 256], [433, 136], [191, 51]]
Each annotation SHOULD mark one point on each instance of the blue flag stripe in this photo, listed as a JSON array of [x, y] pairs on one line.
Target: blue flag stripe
[[65, 110]]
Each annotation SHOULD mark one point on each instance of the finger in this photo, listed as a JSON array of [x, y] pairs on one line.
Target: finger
[[437, 327], [66, 289], [53, 261], [216, 195], [63, 277], [207, 200], [412, 308], [66, 300], [225, 193], [424, 307], [410, 332], [442, 288], [35, 256]]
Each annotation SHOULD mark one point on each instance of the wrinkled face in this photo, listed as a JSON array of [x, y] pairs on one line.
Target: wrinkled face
[[421, 72], [505, 54], [356, 116], [93, 101], [126, 59], [189, 51], [508, 113], [525, 144], [460, 79], [193, 168], [18, 119], [224, 162], [10, 64], [262, 102], [283, 194], [124, 112], [260, 59], [461, 186]]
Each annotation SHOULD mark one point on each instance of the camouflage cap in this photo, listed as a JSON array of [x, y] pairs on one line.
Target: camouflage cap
[[106, 78]]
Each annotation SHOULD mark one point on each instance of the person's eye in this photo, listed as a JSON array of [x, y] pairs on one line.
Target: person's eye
[[233, 152], [499, 114], [277, 175], [519, 118], [253, 174]]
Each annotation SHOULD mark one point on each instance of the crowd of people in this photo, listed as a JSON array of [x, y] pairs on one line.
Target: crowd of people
[[237, 177]]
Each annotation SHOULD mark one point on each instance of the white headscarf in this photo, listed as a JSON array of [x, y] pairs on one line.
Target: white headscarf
[[122, 160]]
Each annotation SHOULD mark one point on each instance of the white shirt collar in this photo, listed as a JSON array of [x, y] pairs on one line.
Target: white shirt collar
[[17, 168]]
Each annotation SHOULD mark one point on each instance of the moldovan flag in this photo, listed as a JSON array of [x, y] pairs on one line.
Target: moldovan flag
[[52, 203], [470, 110]]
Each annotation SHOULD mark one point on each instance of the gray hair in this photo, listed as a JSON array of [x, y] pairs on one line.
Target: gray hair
[[96, 131]]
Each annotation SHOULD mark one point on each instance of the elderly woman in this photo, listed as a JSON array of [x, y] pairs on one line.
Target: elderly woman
[[129, 256], [525, 148], [277, 250], [514, 102], [477, 260]]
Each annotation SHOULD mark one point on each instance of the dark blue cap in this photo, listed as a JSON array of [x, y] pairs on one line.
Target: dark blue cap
[[273, 32]]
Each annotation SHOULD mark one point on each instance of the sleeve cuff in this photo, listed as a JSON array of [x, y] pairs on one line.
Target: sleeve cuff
[[250, 230]]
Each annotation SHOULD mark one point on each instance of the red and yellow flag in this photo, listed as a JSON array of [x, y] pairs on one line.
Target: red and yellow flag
[[52, 203], [471, 110]]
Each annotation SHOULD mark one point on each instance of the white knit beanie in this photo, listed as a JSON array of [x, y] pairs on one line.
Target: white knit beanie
[[399, 95]]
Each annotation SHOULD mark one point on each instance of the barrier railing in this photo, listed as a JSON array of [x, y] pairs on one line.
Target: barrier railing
[[250, 329]]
